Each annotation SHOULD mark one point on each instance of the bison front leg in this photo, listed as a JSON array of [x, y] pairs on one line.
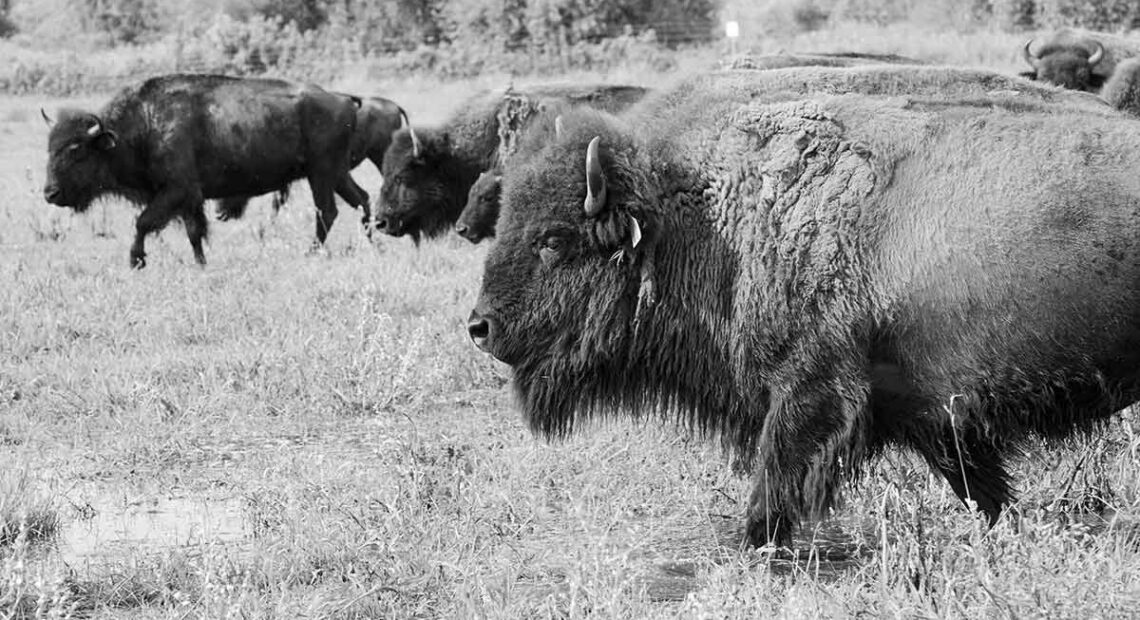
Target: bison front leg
[[154, 217], [355, 195], [809, 432]]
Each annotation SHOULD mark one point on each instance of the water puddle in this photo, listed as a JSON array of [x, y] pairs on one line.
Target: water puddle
[[115, 526]]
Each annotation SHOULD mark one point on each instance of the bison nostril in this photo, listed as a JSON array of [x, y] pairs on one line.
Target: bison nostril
[[51, 193], [479, 329], [382, 223], [461, 228]]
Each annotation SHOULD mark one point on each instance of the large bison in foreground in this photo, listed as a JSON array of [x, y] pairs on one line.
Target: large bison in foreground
[[172, 142], [815, 279], [429, 171], [377, 118]]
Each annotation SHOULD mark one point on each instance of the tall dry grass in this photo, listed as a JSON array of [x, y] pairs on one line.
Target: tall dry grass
[[383, 472]]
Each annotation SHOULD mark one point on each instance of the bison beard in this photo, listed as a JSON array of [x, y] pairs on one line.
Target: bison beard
[[817, 292]]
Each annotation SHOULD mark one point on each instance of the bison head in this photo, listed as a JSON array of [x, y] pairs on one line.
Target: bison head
[[477, 222], [419, 196], [564, 287], [1068, 65], [79, 169]]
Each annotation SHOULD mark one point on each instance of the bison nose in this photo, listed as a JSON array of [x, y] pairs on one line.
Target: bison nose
[[51, 193], [382, 223], [461, 228], [479, 329]]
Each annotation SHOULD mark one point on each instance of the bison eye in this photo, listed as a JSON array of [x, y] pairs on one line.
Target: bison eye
[[553, 248]]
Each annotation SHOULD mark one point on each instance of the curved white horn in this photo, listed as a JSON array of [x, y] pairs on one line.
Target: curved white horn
[[95, 129], [1097, 54], [595, 180], [1028, 54]]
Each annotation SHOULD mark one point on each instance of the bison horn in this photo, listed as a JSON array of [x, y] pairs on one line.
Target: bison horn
[[558, 126], [417, 148], [1097, 54], [94, 130], [405, 123], [47, 119], [595, 180], [1028, 54]]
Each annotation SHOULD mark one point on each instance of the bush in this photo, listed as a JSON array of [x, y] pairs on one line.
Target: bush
[[1107, 15], [124, 21]]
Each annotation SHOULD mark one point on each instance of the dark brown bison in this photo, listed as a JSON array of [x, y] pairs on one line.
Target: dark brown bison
[[477, 220], [377, 119], [815, 279], [174, 141], [428, 172]]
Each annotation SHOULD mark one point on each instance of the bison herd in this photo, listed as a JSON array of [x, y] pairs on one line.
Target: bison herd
[[812, 257]]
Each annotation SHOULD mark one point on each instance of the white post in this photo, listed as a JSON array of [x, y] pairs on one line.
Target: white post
[[732, 31]]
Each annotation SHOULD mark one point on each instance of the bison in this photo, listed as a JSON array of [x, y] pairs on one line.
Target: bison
[[477, 220], [1077, 59], [816, 278], [429, 172], [377, 119], [174, 141]]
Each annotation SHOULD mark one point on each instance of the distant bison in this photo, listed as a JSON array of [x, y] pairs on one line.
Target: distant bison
[[815, 279], [377, 119], [171, 142], [1077, 59], [477, 220], [429, 172]]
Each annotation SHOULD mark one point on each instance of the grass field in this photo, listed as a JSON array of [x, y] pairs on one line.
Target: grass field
[[281, 436]]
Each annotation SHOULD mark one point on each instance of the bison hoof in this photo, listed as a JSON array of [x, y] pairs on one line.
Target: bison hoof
[[316, 248], [138, 261], [767, 530]]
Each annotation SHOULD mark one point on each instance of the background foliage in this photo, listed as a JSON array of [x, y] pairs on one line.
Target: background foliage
[[110, 42]]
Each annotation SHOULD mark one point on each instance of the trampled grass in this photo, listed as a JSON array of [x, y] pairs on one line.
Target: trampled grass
[[369, 463]]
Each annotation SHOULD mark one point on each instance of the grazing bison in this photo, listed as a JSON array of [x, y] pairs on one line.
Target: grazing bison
[[377, 119], [429, 172], [817, 279], [1077, 59], [477, 220]]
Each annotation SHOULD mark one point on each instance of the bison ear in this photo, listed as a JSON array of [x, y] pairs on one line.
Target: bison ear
[[106, 140], [595, 180]]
